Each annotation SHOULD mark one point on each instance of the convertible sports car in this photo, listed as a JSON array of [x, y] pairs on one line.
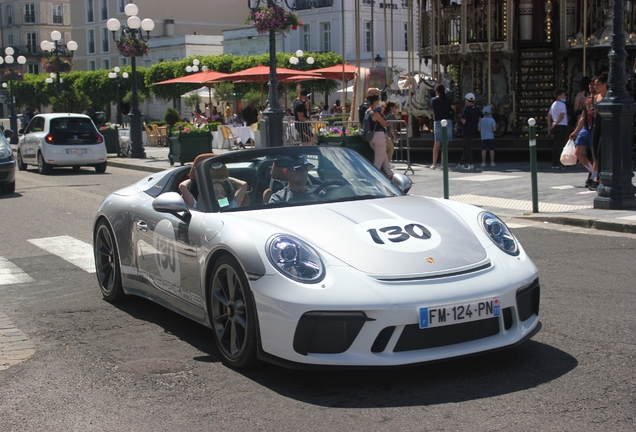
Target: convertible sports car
[[310, 257]]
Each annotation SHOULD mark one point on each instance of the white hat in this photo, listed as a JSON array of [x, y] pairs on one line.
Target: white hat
[[470, 97]]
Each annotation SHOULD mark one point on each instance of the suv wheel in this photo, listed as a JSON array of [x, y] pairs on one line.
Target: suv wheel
[[43, 167], [21, 165]]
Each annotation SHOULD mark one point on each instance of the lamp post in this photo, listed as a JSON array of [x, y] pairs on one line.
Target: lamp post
[[11, 75], [617, 109], [58, 49], [273, 113], [133, 31], [300, 59], [378, 61], [116, 76]]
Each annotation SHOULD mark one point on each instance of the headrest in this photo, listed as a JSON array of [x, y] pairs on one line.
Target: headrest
[[219, 171], [197, 160]]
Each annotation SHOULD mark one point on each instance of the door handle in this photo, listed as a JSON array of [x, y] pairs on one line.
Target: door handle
[[142, 226]]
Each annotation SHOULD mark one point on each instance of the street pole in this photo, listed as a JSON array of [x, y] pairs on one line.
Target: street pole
[[13, 118], [445, 156], [533, 164], [616, 191]]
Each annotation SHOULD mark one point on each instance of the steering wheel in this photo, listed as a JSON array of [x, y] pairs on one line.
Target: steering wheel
[[326, 184]]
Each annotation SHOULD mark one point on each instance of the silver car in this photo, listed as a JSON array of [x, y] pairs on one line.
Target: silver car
[[61, 140]]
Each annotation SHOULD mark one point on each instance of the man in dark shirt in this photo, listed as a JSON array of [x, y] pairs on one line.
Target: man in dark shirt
[[301, 116], [362, 109], [297, 171], [250, 115]]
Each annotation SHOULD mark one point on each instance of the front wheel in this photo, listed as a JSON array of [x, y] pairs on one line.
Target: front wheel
[[8, 188], [21, 165], [232, 313], [107, 263]]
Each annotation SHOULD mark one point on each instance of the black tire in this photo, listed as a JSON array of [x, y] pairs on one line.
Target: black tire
[[107, 265], [8, 188], [76, 168], [100, 168], [502, 124], [43, 167], [21, 165], [232, 314]]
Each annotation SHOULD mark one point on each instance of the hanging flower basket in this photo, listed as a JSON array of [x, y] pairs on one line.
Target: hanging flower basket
[[11, 75], [273, 18], [132, 47], [55, 65]]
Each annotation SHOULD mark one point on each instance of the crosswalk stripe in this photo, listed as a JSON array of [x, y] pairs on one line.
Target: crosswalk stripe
[[513, 204], [70, 249], [12, 274]]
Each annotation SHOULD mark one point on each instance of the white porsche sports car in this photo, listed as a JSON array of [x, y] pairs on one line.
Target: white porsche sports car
[[309, 256]]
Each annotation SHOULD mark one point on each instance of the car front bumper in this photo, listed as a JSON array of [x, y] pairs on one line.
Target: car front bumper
[[7, 172]]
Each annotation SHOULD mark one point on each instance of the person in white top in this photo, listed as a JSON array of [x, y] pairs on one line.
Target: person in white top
[[558, 126]]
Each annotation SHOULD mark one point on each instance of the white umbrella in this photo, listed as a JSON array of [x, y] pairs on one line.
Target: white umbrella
[[349, 90], [206, 93]]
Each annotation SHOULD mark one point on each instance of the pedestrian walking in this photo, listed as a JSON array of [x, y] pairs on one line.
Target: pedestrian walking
[[583, 133], [558, 126], [470, 123], [302, 118], [601, 90], [487, 126], [442, 110]]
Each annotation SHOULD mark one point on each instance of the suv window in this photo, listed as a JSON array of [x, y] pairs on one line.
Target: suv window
[[35, 125], [72, 130]]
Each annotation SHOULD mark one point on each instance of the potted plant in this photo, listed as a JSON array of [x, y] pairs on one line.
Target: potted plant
[[129, 47], [346, 137], [187, 141], [110, 132], [273, 17]]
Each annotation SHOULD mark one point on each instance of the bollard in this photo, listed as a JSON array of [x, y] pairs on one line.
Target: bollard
[[533, 164], [445, 155]]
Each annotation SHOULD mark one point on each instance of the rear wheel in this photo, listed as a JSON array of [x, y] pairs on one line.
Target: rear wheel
[[107, 263], [232, 313], [8, 188], [100, 168], [21, 165], [43, 167]]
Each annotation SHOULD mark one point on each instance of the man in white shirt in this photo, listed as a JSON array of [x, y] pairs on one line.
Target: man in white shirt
[[558, 126]]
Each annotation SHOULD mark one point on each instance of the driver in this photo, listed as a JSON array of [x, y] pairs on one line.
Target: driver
[[297, 190]]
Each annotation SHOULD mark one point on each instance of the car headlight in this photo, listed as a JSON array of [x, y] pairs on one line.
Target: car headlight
[[295, 259], [5, 151], [499, 233]]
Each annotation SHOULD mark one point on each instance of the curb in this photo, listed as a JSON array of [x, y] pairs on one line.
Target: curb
[[152, 169], [602, 224]]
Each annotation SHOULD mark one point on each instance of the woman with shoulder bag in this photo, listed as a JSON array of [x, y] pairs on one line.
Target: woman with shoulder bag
[[391, 136], [378, 142]]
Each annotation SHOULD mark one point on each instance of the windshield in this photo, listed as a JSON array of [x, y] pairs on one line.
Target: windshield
[[291, 176]]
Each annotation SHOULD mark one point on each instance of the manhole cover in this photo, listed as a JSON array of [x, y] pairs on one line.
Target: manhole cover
[[153, 366]]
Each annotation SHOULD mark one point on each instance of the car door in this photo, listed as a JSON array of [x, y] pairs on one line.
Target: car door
[[167, 257], [28, 141]]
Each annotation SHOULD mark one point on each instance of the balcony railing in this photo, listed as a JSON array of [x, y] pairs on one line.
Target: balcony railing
[[91, 47], [29, 18], [58, 19], [477, 22], [89, 15], [104, 14], [31, 48], [105, 46], [308, 4]]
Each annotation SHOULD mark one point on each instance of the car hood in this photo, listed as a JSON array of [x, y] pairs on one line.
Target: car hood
[[396, 237]]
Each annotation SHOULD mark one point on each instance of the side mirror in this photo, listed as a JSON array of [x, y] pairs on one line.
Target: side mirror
[[403, 182], [8, 133], [170, 202]]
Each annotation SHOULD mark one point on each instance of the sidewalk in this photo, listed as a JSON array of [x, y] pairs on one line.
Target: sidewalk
[[505, 189]]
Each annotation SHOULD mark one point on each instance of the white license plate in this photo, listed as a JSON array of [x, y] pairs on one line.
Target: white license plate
[[459, 313], [76, 151]]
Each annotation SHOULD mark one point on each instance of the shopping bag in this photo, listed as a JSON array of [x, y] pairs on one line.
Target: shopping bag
[[568, 156]]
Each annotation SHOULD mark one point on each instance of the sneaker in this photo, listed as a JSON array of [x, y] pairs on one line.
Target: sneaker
[[459, 166], [483, 164], [471, 167], [493, 164], [432, 167], [589, 183], [594, 185]]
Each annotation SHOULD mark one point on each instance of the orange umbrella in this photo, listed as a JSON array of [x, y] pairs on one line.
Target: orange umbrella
[[196, 78], [335, 72], [260, 75]]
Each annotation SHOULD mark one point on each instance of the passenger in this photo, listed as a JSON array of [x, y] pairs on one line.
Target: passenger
[[297, 190], [188, 188], [229, 192]]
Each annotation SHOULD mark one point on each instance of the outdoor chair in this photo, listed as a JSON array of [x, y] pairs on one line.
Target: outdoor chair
[[152, 136], [228, 137]]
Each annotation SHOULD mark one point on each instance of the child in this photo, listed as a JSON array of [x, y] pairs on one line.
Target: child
[[487, 127]]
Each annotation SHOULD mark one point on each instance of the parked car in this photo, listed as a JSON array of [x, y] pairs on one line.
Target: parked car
[[61, 140], [309, 256], [7, 164]]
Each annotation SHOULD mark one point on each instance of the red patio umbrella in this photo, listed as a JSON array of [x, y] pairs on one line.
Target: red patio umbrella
[[335, 72], [260, 75], [204, 77]]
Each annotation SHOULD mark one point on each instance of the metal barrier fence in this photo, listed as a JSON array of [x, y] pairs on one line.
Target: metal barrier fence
[[306, 133]]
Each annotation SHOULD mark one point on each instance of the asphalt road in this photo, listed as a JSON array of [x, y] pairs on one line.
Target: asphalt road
[[140, 367]]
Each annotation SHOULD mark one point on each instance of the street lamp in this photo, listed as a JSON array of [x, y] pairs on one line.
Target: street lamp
[[273, 113], [116, 76], [299, 59], [616, 191], [12, 75], [133, 30], [378, 61], [58, 49], [195, 66]]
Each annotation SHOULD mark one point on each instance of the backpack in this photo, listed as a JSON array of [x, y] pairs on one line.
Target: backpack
[[367, 132]]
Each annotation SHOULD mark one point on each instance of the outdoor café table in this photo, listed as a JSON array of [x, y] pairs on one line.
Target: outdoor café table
[[244, 133]]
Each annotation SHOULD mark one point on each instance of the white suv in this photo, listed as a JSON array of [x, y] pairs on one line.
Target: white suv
[[61, 139]]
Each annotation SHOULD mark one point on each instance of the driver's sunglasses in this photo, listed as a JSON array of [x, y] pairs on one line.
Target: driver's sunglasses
[[301, 168]]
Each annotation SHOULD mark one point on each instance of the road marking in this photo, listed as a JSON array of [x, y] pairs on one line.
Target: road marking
[[485, 177], [563, 187], [70, 249], [628, 218], [515, 204], [12, 274]]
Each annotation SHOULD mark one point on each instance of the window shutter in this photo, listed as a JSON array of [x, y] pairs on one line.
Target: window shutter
[[67, 37], [66, 13], [49, 13]]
